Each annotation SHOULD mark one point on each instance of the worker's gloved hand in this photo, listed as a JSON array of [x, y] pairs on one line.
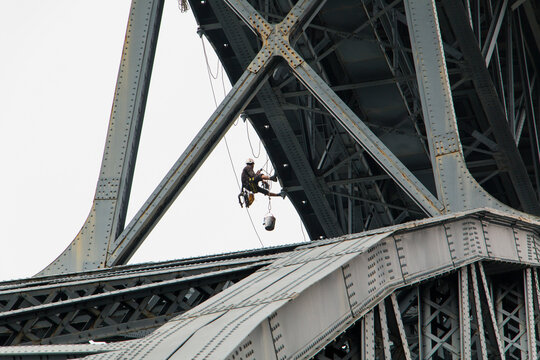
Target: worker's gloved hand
[[273, 177]]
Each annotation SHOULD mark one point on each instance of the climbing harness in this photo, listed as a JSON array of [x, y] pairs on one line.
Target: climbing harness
[[246, 198], [183, 5]]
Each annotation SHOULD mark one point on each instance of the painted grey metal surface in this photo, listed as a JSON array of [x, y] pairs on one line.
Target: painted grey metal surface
[[330, 207], [121, 303], [270, 313], [510, 157], [90, 247], [270, 103], [458, 286], [277, 44], [456, 188]]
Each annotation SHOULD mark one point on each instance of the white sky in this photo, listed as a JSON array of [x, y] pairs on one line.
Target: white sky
[[58, 73]]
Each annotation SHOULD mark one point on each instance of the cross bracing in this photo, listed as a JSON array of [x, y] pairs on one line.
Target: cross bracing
[[374, 295], [366, 124], [121, 303], [375, 113]]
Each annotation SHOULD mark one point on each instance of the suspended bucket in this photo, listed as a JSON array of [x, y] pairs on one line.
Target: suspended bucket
[[269, 222]]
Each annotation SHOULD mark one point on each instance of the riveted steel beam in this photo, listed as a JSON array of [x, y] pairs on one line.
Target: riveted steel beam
[[464, 314], [529, 314], [456, 187], [273, 110], [107, 216], [384, 330], [510, 158], [276, 43], [185, 167], [367, 139]]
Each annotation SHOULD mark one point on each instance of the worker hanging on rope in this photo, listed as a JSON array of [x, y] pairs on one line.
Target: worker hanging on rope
[[250, 184]]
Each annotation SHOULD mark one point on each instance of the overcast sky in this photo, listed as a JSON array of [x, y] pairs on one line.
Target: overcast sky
[[58, 73]]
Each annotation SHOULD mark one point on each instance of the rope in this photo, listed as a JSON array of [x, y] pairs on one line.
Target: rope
[[210, 76], [250, 145]]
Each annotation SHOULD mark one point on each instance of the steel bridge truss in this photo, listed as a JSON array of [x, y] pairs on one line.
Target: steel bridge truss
[[376, 295], [375, 113], [117, 304], [492, 317]]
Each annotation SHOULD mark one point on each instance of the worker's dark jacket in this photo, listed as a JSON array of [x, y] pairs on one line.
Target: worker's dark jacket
[[250, 181]]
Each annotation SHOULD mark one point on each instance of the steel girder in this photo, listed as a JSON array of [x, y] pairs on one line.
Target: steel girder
[[117, 304], [107, 216], [321, 41], [376, 295], [386, 299], [296, 103]]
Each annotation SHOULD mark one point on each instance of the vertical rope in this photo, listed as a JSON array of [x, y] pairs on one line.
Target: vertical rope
[[210, 76]]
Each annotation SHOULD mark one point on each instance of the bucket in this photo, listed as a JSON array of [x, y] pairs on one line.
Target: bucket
[[269, 222]]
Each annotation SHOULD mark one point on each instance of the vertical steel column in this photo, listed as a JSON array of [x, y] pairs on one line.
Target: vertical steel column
[[384, 330], [529, 314], [368, 332], [464, 314], [456, 188], [482, 349], [510, 157], [401, 328], [107, 216]]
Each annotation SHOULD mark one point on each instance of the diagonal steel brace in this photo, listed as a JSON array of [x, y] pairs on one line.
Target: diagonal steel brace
[[276, 42], [208, 137], [185, 167]]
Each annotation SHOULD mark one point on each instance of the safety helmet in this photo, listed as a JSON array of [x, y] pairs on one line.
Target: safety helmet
[[250, 161]]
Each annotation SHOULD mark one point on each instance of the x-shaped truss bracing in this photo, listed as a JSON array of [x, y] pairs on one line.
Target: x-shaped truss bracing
[[276, 39], [276, 42]]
